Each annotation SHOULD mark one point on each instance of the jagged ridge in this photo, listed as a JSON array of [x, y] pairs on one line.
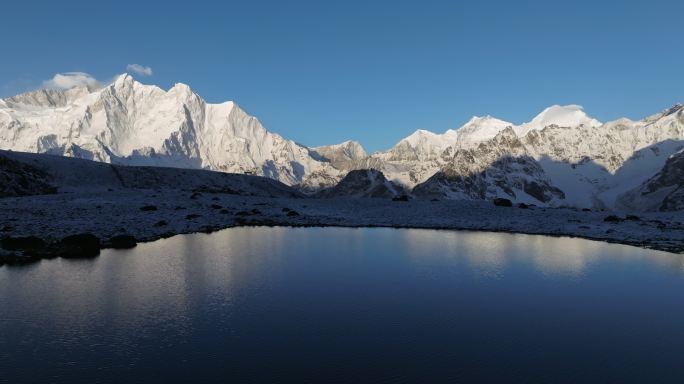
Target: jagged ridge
[[561, 157]]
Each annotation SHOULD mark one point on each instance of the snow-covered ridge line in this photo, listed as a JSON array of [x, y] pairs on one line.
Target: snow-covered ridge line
[[562, 148], [127, 122]]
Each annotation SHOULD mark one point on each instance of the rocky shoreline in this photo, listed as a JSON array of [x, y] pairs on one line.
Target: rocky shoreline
[[77, 225]]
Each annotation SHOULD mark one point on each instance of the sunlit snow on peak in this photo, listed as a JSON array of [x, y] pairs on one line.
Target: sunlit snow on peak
[[563, 116]]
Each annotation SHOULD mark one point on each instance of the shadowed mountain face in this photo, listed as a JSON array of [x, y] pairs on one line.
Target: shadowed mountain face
[[32, 174], [663, 192], [561, 157], [21, 179]]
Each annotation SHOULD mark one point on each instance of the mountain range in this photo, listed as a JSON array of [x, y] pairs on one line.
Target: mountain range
[[562, 157]]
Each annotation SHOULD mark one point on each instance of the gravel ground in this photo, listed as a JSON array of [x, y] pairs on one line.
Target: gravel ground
[[147, 215]]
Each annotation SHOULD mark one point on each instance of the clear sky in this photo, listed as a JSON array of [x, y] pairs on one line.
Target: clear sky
[[321, 72]]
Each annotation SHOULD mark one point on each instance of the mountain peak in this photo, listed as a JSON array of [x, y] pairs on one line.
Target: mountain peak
[[564, 116], [182, 88], [480, 128], [477, 119], [484, 120], [123, 80], [123, 77], [423, 137], [346, 150], [349, 144], [674, 109], [561, 115]]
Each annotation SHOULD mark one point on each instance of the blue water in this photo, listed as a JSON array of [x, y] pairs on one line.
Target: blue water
[[347, 305]]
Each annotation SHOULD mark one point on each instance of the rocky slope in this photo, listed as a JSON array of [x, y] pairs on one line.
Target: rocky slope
[[363, 183], [21, 179], [662, 192], [44, 174], [500, 167], [345, 155]]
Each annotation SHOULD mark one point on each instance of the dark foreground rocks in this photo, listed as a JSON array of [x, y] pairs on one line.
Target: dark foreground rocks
[[79, 246], [28, 243], [23, 250], [123, 242], [499, 202]]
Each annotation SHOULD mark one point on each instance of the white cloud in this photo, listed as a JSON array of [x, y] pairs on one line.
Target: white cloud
[[68, 80], [71, 79], [139, 69]]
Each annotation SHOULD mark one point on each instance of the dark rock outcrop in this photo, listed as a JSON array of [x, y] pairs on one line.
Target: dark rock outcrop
[[24, 244], [83, 245], [500, 202], [363, 183], [20, 179], [123, 242], [612, 219]]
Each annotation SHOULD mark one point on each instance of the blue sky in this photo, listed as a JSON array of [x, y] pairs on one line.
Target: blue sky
[[321, 72]]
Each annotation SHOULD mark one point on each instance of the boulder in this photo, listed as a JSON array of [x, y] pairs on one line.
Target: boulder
[[123, 242], [83, 245], [25, 244], [612, 219], [501, 202]]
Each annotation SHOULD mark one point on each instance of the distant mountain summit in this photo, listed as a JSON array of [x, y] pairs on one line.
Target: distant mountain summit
[[561, 157], [127, 122]]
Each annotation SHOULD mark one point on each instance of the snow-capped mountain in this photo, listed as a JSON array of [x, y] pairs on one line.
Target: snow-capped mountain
[[498, 167], [560, 157], [127, 122], [594, 164], [562, 149], [480, 129], [561, 116], [422, 154], [345, 155]]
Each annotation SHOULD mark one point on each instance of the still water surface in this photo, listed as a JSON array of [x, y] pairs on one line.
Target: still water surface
[[347, 305]]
